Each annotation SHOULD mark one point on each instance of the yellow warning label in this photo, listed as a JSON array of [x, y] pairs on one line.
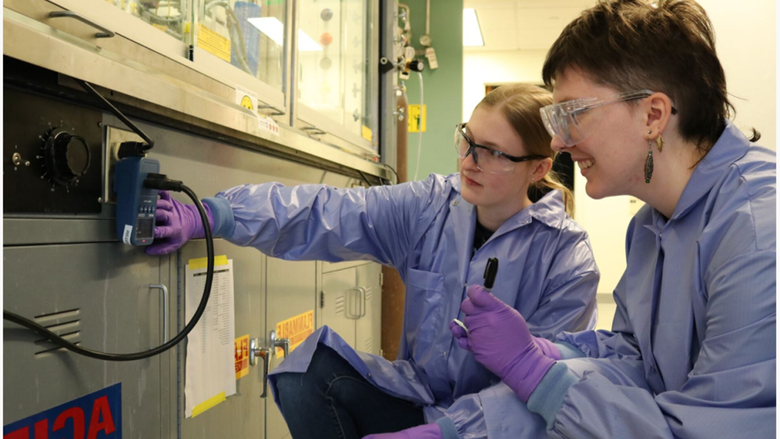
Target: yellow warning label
[[296, 329], [367, 134], [213, 42], [242, 356], [416, 119]]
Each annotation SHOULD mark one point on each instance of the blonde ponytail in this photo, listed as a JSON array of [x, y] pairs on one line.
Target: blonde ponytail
[[551, 182]]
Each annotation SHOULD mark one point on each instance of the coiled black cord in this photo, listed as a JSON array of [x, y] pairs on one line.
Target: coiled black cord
[[156, 183]]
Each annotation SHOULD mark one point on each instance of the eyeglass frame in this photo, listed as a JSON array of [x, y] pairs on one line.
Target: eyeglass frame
[[460, 129], [594, 103]]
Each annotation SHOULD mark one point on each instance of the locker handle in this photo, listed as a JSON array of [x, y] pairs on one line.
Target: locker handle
[[283, 343], [363, 294], [350, 303], [104, 32], [255, 352], [164, 290]]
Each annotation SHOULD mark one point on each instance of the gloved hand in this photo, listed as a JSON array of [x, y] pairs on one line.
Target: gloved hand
[[500, 340], [548, 348], [425, 431], [177, 223]]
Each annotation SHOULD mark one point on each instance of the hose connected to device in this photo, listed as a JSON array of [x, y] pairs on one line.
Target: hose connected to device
[[154, 183]]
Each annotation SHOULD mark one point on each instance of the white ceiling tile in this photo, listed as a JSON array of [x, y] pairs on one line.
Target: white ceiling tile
[[539, 18], [497, 19]]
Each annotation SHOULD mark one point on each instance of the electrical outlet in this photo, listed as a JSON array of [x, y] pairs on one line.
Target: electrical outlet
[[113, 137]]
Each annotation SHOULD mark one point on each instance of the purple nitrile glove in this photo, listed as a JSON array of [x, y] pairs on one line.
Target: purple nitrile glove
[[500, 340], [425, 431], [548, 348], [177, 223]]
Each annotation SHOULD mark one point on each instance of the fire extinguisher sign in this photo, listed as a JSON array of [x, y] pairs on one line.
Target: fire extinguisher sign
[[94, 416]]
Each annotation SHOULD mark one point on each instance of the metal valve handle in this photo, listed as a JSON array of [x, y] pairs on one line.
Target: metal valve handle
[[255, 352], [283, 343]]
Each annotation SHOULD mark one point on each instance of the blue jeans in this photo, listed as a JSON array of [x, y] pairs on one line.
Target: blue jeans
[[332, 400]]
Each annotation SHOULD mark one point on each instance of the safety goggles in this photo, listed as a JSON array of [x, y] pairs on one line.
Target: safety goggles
[[487, 159], [573, 121]]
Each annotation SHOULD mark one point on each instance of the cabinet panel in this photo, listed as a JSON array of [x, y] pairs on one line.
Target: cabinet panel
[[341, 300], [291, 291], [368, 330], [99, 295]]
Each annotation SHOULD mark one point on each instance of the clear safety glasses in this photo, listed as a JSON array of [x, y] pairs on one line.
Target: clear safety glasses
[[487, 159], [573, 121]]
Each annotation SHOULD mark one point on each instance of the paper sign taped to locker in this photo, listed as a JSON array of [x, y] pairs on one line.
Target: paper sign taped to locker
[[416, 119], [242, 356], [296, 329], [213, 42], [210, 372]]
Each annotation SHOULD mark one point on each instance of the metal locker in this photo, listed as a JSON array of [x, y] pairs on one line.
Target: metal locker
[[351, 305], [340, 302], [105, 296], [368, 328], [291, 294]]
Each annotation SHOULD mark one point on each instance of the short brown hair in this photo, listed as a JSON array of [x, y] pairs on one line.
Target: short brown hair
[[520, 104], [665, 46]]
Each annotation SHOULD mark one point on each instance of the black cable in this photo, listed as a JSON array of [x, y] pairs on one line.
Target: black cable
[[88, 87], [365, 178], [397, 178], [35, 327]]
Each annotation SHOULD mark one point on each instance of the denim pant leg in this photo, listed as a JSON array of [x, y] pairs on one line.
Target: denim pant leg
[[331, 400]]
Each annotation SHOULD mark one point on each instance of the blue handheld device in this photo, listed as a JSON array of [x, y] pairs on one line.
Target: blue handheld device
[[136, 204]]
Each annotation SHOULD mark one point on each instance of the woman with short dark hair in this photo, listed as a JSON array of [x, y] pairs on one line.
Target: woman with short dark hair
[[641, 106]]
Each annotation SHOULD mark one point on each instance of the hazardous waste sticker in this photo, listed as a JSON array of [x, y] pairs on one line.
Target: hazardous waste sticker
[[296, 329]]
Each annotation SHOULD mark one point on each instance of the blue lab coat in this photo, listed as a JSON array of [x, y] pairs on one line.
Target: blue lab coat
[[425, 230], [691, 353]]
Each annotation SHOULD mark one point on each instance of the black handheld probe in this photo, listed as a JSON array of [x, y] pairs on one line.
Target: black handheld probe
[[491, 269]]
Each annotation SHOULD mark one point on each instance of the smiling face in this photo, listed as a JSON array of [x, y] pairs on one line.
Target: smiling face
[[504, 194], [612, 157]]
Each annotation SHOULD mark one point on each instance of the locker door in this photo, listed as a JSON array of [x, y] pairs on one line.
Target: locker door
[[243, 414], [291, 288], [342, 301], [368, 328], [100, 295]]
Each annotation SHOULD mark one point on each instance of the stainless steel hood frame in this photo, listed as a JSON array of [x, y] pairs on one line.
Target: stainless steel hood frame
[[174, 101]]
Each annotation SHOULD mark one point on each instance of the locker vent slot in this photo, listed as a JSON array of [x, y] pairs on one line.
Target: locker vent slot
[[369, 293], [66, 324], [340, 304], [369, 345]]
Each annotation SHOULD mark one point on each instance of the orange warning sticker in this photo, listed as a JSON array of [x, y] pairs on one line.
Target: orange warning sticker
[[296, 329], [242, 356]]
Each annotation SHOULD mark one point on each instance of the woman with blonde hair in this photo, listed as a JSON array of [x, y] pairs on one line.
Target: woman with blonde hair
[[438, 233]]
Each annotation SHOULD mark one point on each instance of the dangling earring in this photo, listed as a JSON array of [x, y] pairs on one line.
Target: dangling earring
[[649, 162], [659, 142]]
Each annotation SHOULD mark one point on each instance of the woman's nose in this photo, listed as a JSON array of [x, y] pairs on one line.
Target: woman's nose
[[468, 162], [557, 144]]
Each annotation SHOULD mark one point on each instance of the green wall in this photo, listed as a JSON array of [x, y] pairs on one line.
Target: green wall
[[443, 87]]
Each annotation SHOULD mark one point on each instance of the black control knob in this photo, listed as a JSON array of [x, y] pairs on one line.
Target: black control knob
[[67, 157], [416, 65]]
